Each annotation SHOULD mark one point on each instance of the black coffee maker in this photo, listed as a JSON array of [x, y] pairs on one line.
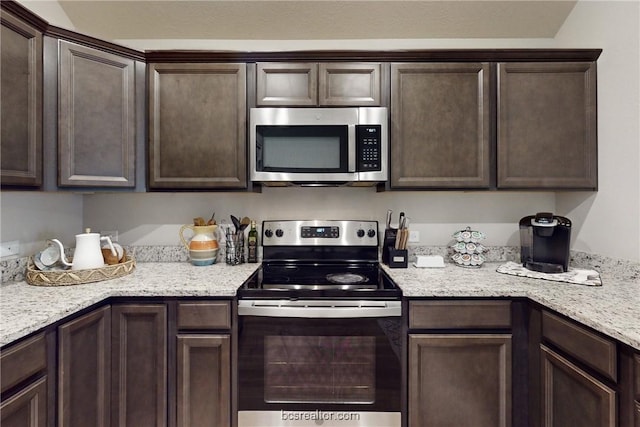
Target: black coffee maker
[[544, 242]]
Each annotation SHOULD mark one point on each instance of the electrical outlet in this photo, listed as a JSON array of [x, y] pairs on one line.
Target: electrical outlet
[[414, 236], [111, 233], [10, 249]]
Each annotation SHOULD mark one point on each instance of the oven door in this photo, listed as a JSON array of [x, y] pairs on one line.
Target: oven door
[[319, 362], [303, 145]]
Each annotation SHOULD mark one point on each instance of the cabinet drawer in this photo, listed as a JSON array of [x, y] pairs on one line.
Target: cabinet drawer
[[459, 314], [596, 351], [22, 361], [204, 315]]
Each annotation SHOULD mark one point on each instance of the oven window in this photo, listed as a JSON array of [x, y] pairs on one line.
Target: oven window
[[320, 369], [302, 148]]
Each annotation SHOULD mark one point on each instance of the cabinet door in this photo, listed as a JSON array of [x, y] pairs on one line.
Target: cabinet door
[[572, 397], [460, 380], [440, 125], [96, 118], [20, 103], [636, 364], [204, 384], [349, 83], [27, 408], [84, 368], [197, 126], [547, 133], [284, 84], [139, 365]]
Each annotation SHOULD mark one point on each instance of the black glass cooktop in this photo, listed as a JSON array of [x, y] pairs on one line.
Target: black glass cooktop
[[319, 280]]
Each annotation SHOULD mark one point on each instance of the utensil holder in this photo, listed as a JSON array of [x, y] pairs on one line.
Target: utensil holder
[[398, 258], [234, 248]]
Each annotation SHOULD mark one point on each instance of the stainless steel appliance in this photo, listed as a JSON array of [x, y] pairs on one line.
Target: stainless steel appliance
[[319, 330], [315, 146], [544, 242]]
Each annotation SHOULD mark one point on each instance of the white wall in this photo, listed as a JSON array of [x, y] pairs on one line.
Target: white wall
[[34, 217], [155, 218], [606, 222]]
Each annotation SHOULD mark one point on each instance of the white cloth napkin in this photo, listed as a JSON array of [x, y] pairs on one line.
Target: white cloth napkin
[[576, 276]]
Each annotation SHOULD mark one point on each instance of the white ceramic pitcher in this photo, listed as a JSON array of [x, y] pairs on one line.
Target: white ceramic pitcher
[[87, 253]]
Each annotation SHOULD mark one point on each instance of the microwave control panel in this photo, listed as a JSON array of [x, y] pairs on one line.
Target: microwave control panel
[[369, 148]]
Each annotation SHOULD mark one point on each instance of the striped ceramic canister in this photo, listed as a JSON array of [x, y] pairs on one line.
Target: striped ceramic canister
[[203, 246]]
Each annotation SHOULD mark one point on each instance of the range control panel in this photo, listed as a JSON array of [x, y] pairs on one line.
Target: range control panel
[[319, 233]]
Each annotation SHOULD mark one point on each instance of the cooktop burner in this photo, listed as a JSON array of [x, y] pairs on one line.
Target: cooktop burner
[[313, 282], [320, 259]]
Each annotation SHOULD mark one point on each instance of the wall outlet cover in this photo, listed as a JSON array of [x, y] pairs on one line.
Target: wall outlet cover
[[10, 249]]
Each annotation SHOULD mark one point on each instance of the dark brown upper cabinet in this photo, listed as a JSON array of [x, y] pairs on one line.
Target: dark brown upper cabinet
[[96, 118], [547, 130], [20, 102], [440, 125], [197, 125], [308, 84]]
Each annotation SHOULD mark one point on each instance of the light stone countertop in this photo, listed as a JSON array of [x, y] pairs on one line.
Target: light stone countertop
[[613, 309], [25, 308]]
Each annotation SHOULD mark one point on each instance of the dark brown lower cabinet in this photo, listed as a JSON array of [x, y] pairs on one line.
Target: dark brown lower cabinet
[[204, 380], [572, 397], [459, 380], [139, 365], [636, 380], [84, 370], [27, 408]]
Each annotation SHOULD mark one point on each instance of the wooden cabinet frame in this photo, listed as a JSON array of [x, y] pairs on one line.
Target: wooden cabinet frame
[[84, 370], [441, 125], [489, 399], [22, 159], [197, 143], [96, 118], [547, 125], [559, 373]]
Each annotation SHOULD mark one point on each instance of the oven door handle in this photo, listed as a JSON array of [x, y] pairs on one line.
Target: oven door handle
[[319, 308]]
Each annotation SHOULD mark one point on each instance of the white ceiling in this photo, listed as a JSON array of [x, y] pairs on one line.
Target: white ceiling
[[304, 19]]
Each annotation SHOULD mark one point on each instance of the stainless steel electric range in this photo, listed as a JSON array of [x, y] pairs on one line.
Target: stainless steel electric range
[[319, 330]]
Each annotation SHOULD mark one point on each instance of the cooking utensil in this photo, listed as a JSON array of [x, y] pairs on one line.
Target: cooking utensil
[[236, 222], [244, 223], [388, 223]]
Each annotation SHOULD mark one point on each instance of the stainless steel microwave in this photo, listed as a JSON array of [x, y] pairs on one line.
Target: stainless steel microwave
[[315, 146]]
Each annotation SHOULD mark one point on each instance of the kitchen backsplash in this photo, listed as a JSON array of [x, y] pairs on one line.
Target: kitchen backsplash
[[14, 270]]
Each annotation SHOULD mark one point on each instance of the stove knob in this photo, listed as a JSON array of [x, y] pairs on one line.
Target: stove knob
[[360, 233], [371, 232], [279, 233], [268, 233]]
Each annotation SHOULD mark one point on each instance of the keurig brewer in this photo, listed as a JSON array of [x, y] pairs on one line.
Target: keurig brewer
[[544, 242]]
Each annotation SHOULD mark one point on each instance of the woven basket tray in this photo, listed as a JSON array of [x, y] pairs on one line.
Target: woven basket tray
[[77, 277]]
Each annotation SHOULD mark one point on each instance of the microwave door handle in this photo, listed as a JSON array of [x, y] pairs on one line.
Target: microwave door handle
[[351, 145]]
